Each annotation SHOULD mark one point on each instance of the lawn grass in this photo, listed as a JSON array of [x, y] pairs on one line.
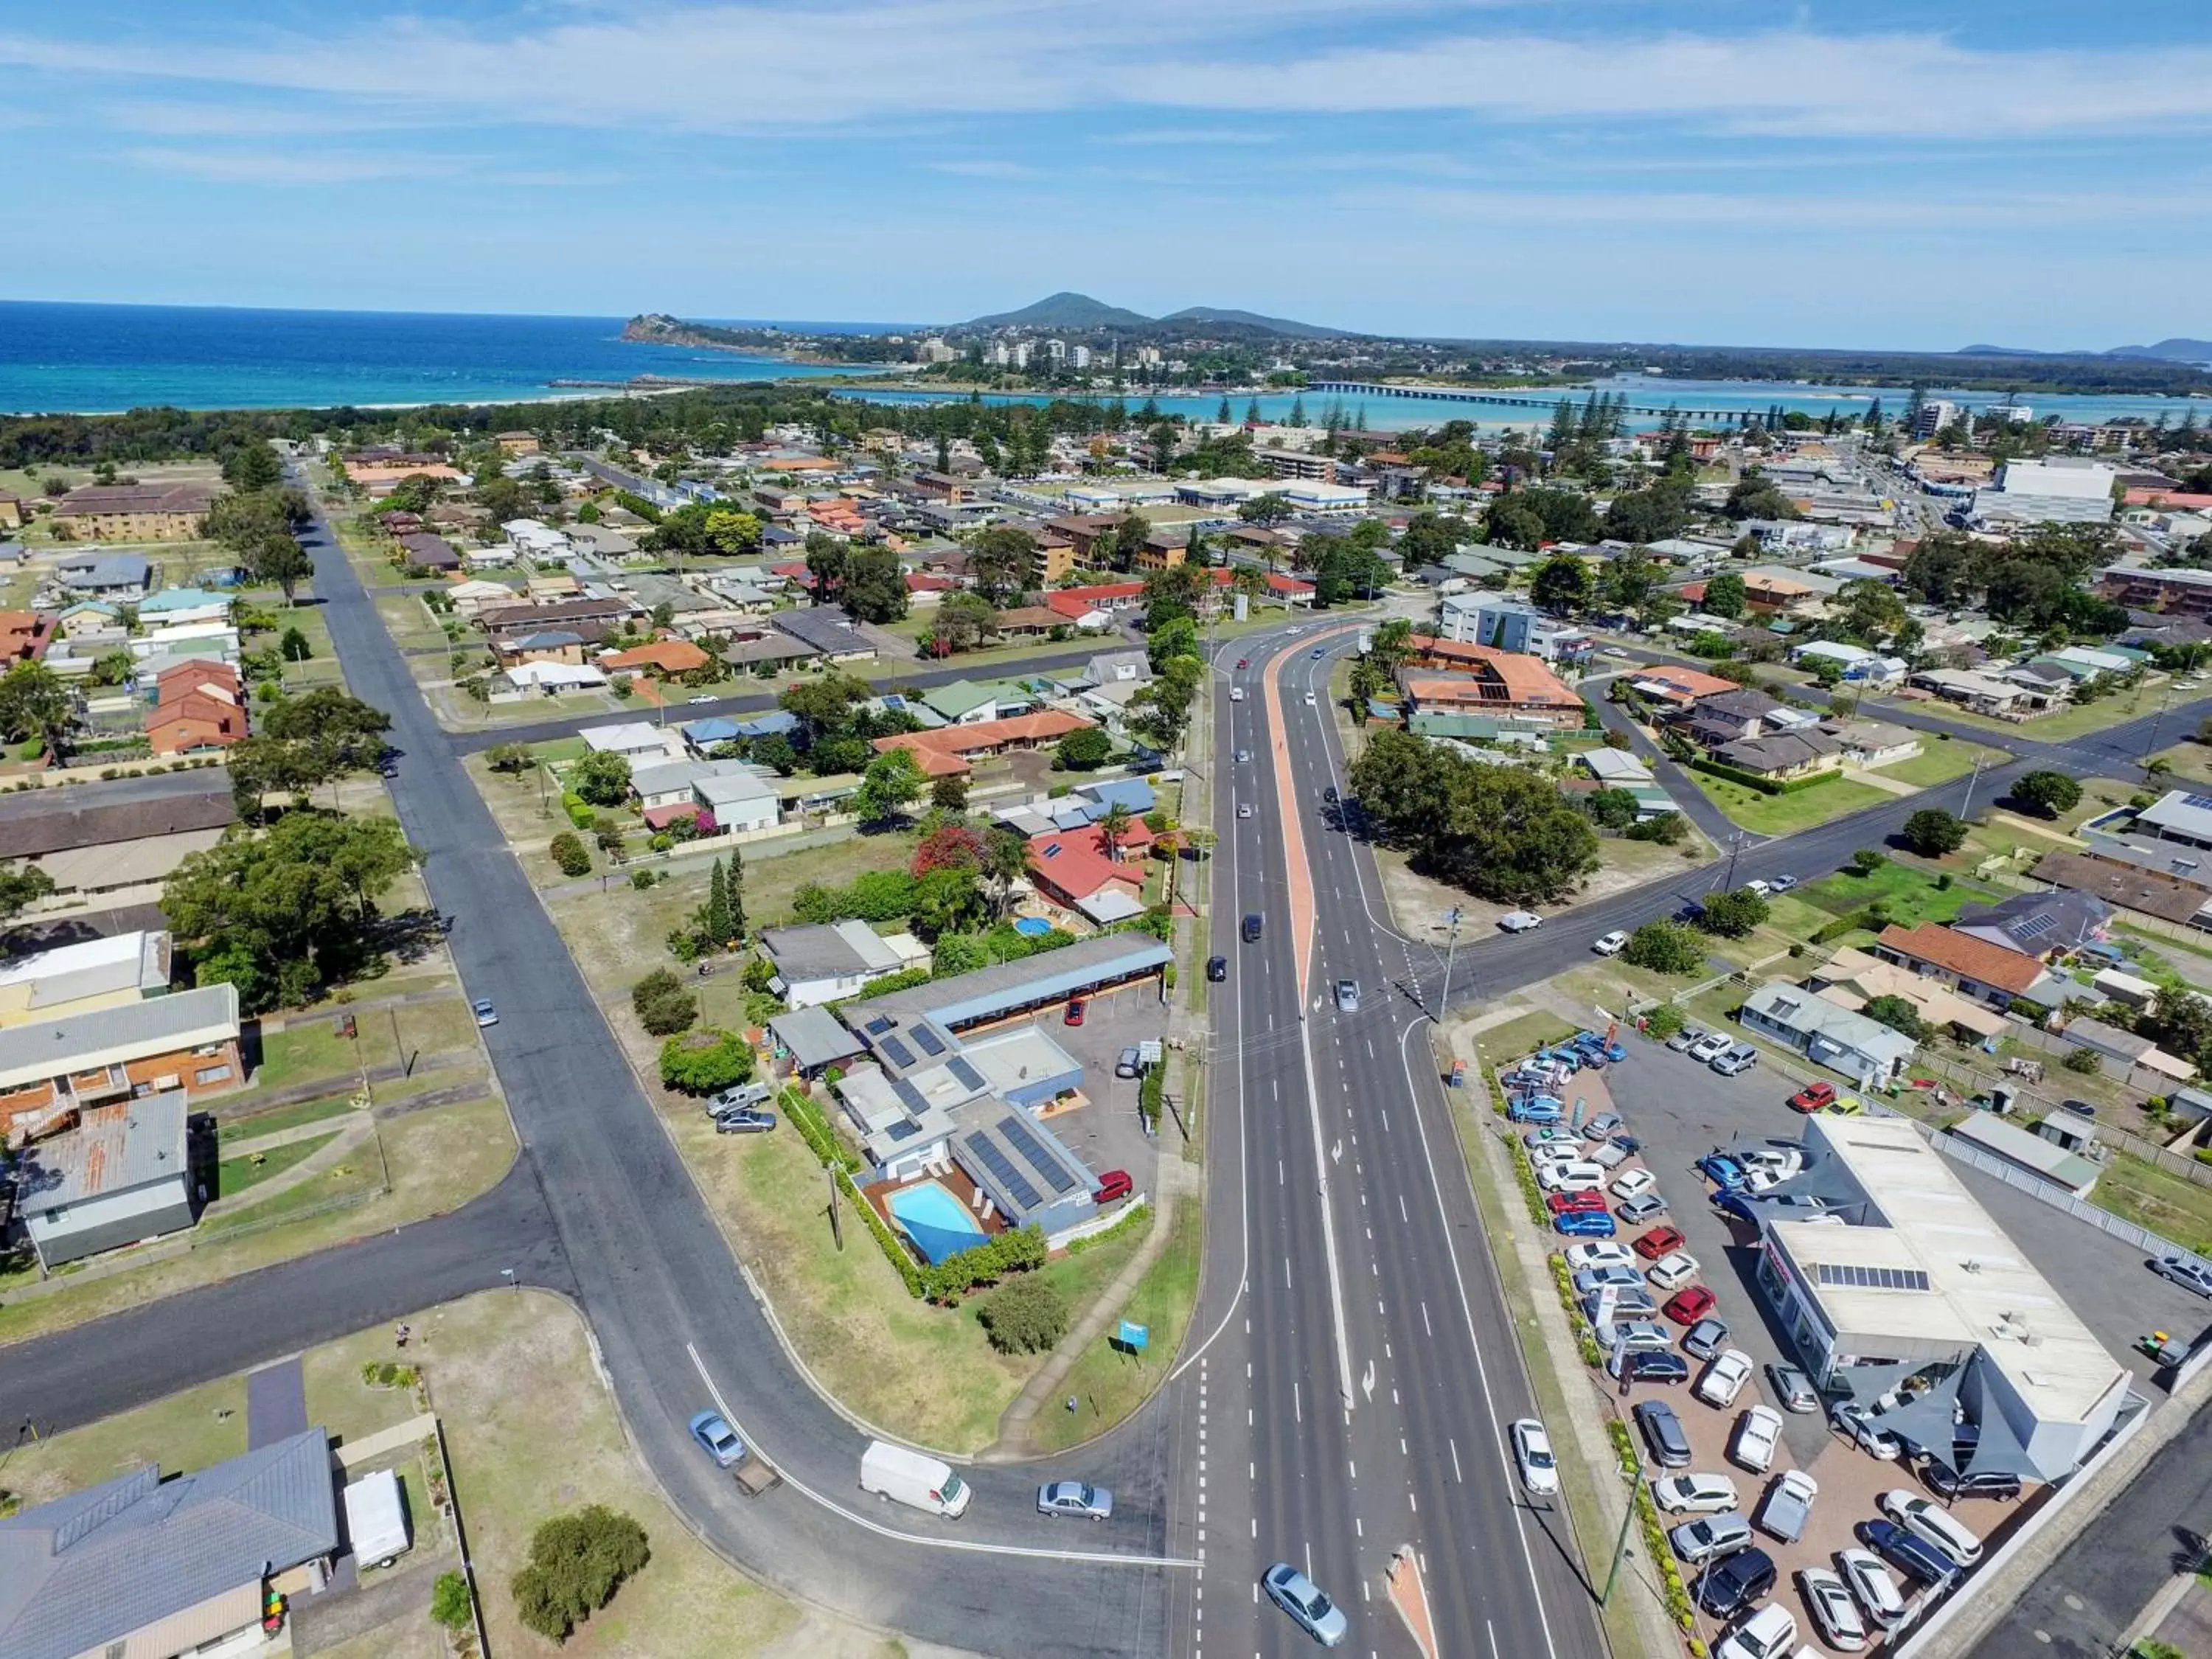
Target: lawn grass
[[2170, 1205], [1786, 815], [1909, 894], [440, 1159], [1524, 1035], [1940, 763], [234, 1175], [284, 1117], [312, 1049], [2075, 721], [1111, 1384]]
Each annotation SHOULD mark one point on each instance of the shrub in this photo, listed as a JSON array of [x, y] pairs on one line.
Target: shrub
[[1733, 916], [2085, 1062], [1024, 1316], [986, 1264], [577, 1563], [570, 856], [1867, 860], [1664, 1021], [1932, 832], [2047, 794], [702, 1062], [643, 879], [664, 1005], [449, 1601], [1664, 947]]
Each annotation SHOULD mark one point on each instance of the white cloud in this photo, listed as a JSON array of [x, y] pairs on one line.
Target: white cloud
[[1233, 136], [987, 169], [260, 168]]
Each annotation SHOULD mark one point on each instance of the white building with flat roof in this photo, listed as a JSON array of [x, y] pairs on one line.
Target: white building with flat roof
[[1925, 1310], [2064, 490]]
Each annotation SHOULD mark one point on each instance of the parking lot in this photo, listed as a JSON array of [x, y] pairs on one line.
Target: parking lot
[[1679, 1110], [1107, 1132]]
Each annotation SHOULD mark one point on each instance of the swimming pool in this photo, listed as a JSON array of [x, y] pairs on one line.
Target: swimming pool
[[1033, 926], [937, 1223]]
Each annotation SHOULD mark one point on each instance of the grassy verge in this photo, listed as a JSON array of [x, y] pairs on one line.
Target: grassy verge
[[1786, 815], [439, 1158], [1910, 895], [1524, 1036], [234, 1175], [1112, 1384], [1940, 763], [2076, 720], [2150, 1197], [313, 1049], [285, 1117]]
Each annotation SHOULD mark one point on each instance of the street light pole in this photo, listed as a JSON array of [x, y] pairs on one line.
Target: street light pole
[[1966, 807], [1443, 999], [1620, 1541]]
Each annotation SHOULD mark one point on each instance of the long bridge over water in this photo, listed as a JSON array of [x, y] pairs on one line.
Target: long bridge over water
[[1508, 400]]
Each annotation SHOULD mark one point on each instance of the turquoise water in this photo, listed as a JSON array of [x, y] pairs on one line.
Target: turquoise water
[[1034, 926], [937, 1223]]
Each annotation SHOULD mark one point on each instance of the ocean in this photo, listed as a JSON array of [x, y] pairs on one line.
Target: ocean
[[97, 359]]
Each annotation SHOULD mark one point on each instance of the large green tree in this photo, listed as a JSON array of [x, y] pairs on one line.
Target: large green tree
[[35, 702], [1501, 832], [893, 782], [874, 586], [1004, 563]]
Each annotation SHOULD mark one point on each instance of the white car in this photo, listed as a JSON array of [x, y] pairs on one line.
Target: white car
[[1635, 1181], [1693, 1494], [1856, 1422], [1833, 1609], [1309, 699], [1758, 887], [1926, 1520], [1757, 1432], [1235, 694], [1571, 1177], [1599, 1253], [1632, 1335], [1767, 1634], [1520, 921], [1783, 1163], [1873, 1586], [1612, 944], [1531, 1452], [1725, 1378], [1710, 1047], [1673, 1270]]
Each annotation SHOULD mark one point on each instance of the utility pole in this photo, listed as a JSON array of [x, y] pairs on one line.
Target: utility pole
[[1965, 807], [1735, 851], [1443, 999], [1621, 1542]]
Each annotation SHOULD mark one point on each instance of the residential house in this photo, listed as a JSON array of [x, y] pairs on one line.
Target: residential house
[[826, 631], [2045, 926], [105, 836], [820, 964], [1979, 693], [517, 443], [424, 551], [1667, 687], [549, 677], [661, 659], [2132, 1049], [120, 1176], [83, 977], [534, 540], [1027, 621], [1771, 592], [810, 1040], [1493, 683], [1117, 668], [1860, 666], [1868, 1052], [25, 635], [1972, 966], [966, 702], [637, 742], [196, 706], [1852, 978], [947, 750], [94, 617], [739, 802], [590, 618], [1872, 743], [52, 1068], [1076, 869], [1095, 606], [548, 645], [2180, 816], [125, 576], [185, 607], [134, 513], [473, 596], [185, 1564], [2146, 892], [1781, 756]]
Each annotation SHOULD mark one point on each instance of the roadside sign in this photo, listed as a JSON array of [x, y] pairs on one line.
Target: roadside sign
[[1134, 1336]]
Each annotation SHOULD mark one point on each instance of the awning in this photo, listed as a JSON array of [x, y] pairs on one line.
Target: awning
[[1868, 1383], [1998, 1451], [1929, 1419]]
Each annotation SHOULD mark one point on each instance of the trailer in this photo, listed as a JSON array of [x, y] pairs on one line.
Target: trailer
[[755, 1475], [376, 1519]]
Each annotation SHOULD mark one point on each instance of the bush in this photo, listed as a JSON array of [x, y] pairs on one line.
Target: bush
[[2047, 794], [1024, 1316], [703, 1062], [643, 879], [1663, 1021], [1867, 860], [664, 1005], [2085, 1062], [1664, 947], [1733, 916], [570, 856], [577, 1563], [1932, 832], [449, 1601], [986, 1264]]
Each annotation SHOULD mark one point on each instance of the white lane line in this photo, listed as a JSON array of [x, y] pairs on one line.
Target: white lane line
[[1328, 1222], [882, 1531], [1456, 1476]]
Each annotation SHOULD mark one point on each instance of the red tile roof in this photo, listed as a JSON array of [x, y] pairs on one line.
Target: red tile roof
[[1959, 953], [670, 656], [1074, 862]]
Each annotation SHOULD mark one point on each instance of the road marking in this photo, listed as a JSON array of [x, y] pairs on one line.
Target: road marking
[[1456, 1476], [1402, 1216], [968, 1545], [1425, 1326]]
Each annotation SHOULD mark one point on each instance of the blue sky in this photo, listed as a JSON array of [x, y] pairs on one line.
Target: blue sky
[[1877, 173]]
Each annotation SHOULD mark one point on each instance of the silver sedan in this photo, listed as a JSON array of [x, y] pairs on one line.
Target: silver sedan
[[1079, 1499]]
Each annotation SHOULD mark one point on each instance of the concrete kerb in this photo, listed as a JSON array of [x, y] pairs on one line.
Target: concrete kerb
[[1958, 1627]]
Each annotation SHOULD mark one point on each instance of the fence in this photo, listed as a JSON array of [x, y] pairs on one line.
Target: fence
[[2059, 1198], [1978, 1081]]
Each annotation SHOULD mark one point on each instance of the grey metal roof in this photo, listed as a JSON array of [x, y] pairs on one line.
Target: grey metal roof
[[89, 1569], [37, 821], [115, 1149], [824, 626], [816, 952], [814, 1037], [48, 1047], [1070, 970]]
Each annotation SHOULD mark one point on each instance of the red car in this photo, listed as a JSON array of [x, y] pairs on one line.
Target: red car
[[1243, 662], [1813, 1096], [1660, 1240], [1114, 1183], [1560, 1203], [1075, 1007], [1688, 1307]]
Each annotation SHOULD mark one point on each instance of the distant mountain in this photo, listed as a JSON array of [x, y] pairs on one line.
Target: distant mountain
[[1254, 319], [2169, 351], [1064, 310]]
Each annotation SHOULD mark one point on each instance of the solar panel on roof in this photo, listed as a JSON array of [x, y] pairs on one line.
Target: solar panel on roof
[[878, 1025], [1001, 1166], [2202, 803], [1863, 1278], [967, 1073], [927, 1040], [2034, 926], [1020, 1137], [896, 1051], [910, 1096]]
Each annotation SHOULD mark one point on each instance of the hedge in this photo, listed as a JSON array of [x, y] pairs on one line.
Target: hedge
[[1152, 1094], [1753, 780], [1844, 924], [1654, 1534], [1130, 1221], [814, 1129]]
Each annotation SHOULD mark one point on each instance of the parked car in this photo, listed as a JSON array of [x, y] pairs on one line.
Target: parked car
[[1688, 1307], [1580, 1176], [1604, 1124], [1585, 1224], [485, 1013], [744, 1121], [1078, 1500], [1309, 1608], [1711, 1045], [1115, 1184], [1674, 1270], [1077, 1007], [1872, 1587], [1610, 945], [1581, 1258], [1535, 1109], [1788, 1505], [2189, 1275], [1709, 1537], [1735, 1581], [1686, 1039], [1775, 1162], [1783, 884], [1856, 1424], [1632, 1333], [1914, 1557], [1663, 1432], [1706, 1338], [1735, 1062], [1770, 1633], [1551, 1135], [1532, 1454], [1950, 1485], [1216, 969], [1792, 1388], [1635, 1181], [1723, 1171], [1520, 921], [1931, 1524], [1646, 1365], [1811, 1097], [1560, 1203], [1725, 1378], [1639, 1211], [1611, 1155], [1617, 1276], [1831, 1608], [1129, 1063], [1658, 1241], [1693, 1494], [1634, 1303], [1758, 1431]]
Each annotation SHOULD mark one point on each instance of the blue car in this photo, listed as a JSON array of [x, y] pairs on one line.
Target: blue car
[[1735, 1204], [721, 1440], [1723, 1172], [1537, 1108], [1908, 1553], [1585, 1224], [1591, 1046]]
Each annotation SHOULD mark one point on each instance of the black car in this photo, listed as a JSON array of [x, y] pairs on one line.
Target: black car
[[1730, 1585], [1253, 924], [1216, 969], [1948, 1483], [1662, 1431], [1908, 1553], [1648, 1365]]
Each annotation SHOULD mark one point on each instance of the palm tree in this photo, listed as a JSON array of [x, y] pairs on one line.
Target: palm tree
[[1005, 860], [1113, 826]]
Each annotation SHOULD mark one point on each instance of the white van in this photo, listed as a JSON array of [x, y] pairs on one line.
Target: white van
[[376, 1519], [1582, 1178], [914, 1479]]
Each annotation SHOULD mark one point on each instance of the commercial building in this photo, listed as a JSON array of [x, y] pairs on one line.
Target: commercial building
[[120, 1177], [99, 838], [50, 1067], [83, 977], [144, 1566], [2063, 490], [1491, 682], [1923, 1287]]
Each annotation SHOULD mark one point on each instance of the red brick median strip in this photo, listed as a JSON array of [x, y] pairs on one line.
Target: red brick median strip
[[1410, 1596], [1286, 805]]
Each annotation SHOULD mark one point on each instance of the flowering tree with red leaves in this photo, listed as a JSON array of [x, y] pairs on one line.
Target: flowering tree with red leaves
[[953, 846]]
